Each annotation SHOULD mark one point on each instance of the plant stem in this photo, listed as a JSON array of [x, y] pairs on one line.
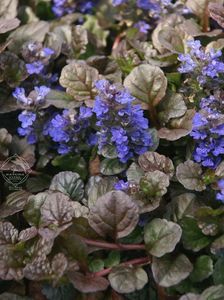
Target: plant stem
[[206, 19], [136, 261], [112, 246], [153, 116]]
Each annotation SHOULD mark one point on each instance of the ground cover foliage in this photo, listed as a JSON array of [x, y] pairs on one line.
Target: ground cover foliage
[[111, 150]]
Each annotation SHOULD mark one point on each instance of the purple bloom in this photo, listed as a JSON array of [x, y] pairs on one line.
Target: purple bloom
[[35, 67], [142, 26], [220, 195], [121, 185], [207, 66], [208, 132], [122, 126], [36, 97], [41, 93], [62, 7], [118, 2], [67, 130], [27, 119], [47, 52], [19, 94]]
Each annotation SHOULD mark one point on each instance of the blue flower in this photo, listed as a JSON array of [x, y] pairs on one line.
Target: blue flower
[[206, 65], [62, 7], [27, 119], [118, 2], [35, 68], [121, 185], [67, 130], [121, 124], [220, 195], [36, 97], [142, 26], [41, 93], [148, 4], [19, 94], [208, 132]]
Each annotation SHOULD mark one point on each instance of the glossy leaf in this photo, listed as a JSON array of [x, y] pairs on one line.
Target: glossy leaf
[[161, 236], [115, 215]]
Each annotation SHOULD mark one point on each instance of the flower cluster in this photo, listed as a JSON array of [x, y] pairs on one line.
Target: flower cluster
[[206, 65], [36, 57], [208, 131], [68, 129], [63, 7], [220, 195], [29, 118], [35, 97], [122, 126]]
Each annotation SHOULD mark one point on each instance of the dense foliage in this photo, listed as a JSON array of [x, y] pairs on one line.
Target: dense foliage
[[111, 150]]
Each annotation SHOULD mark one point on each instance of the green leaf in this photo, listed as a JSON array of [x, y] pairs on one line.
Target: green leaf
[[59, 99], [33, 31], [218, 274], [193, 238], [96, 265], [147, 83], [134, 173], [153, 161], [79, 80], [14, 203], [114, 215], [32, 208], [154, 184], [68, 183], [161, 236], [73, 246], [112, 167], [217, 246], [184, 205], [190, 296], [189, 174], [168, 271], [172, 106], [127, 279], [13, 69], [38, 183], [61, 292], [113, 259], [92, 25], [69, 162], [203, 268], [214, 292]]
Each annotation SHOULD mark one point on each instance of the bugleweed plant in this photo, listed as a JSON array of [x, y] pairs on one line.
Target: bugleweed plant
[[111, 150]]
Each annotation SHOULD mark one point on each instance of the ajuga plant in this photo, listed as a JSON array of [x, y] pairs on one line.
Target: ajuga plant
[[111, 150]]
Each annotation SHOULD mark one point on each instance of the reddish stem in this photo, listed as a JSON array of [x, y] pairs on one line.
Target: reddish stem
[[112, 246], [136, 261], [206, 19]]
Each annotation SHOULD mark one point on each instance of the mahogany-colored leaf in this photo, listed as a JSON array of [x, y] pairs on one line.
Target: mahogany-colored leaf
[[114, 215], [152, 161], [88, 283], [216, 11]]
